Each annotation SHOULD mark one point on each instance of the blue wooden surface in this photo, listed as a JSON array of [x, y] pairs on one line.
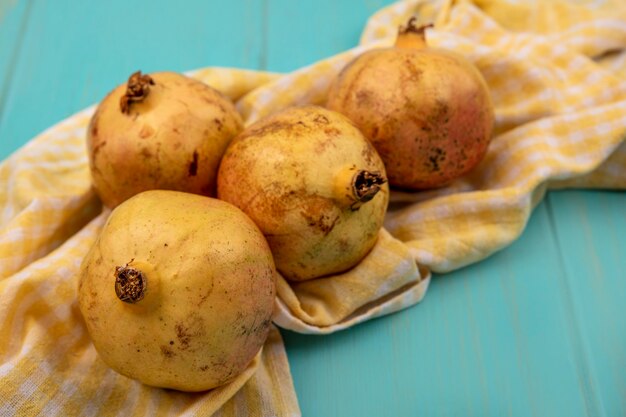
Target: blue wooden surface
[[536, 330]]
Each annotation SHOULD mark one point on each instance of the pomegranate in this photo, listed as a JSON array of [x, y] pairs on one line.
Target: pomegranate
[[313, 184], [427, 111], [159, 131]]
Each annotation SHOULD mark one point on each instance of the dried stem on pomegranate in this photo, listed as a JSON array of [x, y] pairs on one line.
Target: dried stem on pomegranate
[[137, 89], [130, 284], [412, 36], [411, 27], [365, 186]]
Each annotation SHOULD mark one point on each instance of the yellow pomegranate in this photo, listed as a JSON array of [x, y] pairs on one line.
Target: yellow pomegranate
[[159, 131], [313, 184], [178, 290]]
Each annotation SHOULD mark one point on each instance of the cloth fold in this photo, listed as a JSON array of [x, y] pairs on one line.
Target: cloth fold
[[557, 75], [336, 302]]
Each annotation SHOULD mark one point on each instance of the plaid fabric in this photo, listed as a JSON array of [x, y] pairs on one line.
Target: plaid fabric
[[557, 74]]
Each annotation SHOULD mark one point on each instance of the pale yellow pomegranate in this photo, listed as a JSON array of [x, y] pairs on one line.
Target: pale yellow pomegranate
[[159, 131], [427, 111], [313, 184], [178, 290]]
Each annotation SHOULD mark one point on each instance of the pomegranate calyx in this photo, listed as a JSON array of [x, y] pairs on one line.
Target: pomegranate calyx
[[412, 28], [137, 89], [365, 185], [411, 36], [130, 284]]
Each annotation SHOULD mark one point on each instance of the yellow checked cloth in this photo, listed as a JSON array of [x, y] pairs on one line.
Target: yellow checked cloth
[[557, 74]]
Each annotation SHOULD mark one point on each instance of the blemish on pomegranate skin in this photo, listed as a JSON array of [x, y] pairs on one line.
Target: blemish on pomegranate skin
[[320, 118], [363, 97], [193, 166], [182, 333], [146, 131], [167, 352], [369, 155], [96, 148], [344, 245], [437, 156], [266, 129], [414, 72]]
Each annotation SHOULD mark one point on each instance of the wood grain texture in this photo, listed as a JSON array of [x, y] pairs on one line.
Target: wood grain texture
[[589, 228], [301, 32], [13, 19], [536, 330]]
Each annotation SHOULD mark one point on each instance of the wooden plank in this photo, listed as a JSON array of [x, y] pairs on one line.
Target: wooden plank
[[13, 19], [492, 339], [73, 53], [590, 228], [300, 33]]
